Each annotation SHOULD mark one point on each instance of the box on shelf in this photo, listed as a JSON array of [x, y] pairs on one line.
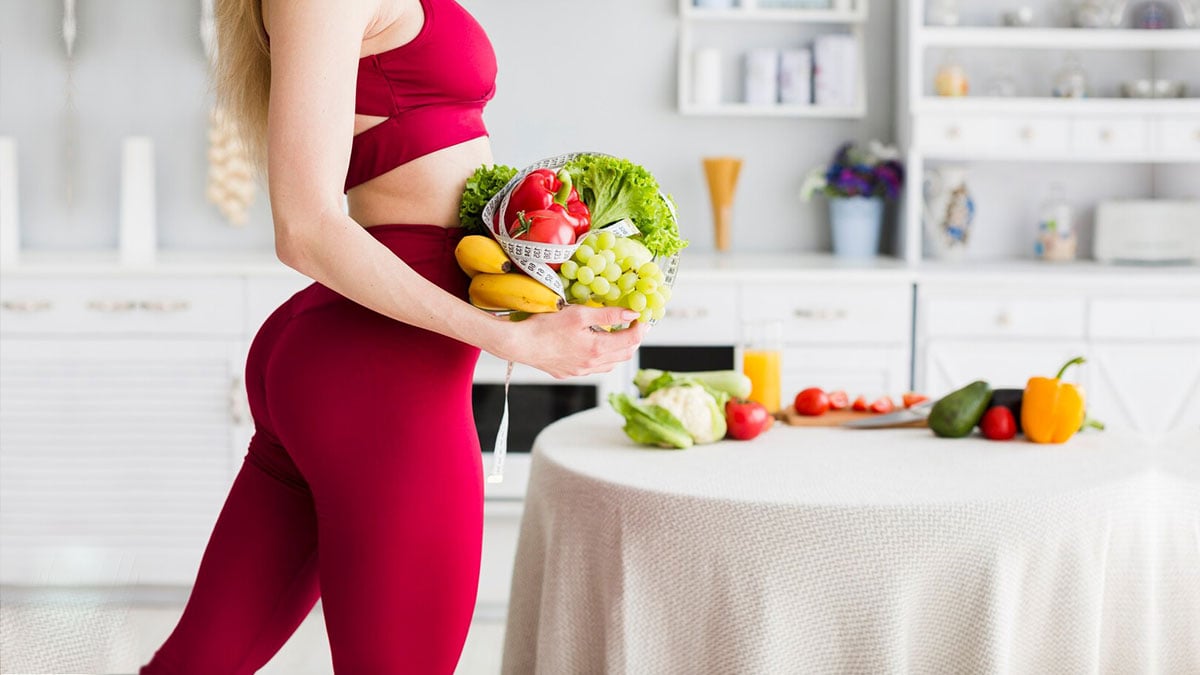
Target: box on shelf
[[835, 62], [795, 76]]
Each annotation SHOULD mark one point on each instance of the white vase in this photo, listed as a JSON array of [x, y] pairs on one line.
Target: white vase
[[10, 235], [137, 236], [949, 211]]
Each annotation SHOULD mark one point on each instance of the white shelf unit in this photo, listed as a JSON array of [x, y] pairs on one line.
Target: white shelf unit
[[850, 13], [1032, 129]]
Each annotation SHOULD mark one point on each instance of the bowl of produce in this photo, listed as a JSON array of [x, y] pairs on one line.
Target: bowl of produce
[[579, 228]]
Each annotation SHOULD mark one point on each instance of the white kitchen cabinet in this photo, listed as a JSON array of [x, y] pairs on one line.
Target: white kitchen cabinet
[[946, 364], [834, 314], [116, 456], [867, 371], [699, 313], [1145, 388], [501, 527]]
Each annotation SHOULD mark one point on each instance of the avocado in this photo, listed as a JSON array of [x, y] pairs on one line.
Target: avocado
[[1011, 399], [957, 413]]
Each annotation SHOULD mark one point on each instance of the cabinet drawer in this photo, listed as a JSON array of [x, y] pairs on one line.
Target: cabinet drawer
[[997, 317], [82, 305], [951, 133], [1032, 135], [1108, 136], [699, 313], [867, 314], [1145, 318], [1177, 136]]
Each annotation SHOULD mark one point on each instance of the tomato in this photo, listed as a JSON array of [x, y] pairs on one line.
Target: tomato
[[883, 405], [838, 400], [998, 423], [812, 401], [746, 419], [860, 404], [913, 398]]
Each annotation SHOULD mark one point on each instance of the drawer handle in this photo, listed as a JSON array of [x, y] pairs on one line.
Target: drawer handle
[[26, 306], [1106, 135], [112, 306], [164, 306], [820, 314], [686, 313], [953, 132], [1004, 319], [1027, 133], [1196, 134]]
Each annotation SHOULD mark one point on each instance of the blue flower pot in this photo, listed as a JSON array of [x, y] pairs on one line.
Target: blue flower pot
[[856, 223]]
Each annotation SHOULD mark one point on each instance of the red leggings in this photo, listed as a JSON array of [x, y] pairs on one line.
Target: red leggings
[[362, 485]]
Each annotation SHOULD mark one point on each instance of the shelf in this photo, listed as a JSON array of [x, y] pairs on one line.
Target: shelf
[[1061, 38], [764, 14], [779, 110], [1060, 106]]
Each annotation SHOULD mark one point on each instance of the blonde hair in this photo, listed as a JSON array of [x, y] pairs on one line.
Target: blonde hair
[[241, 75]]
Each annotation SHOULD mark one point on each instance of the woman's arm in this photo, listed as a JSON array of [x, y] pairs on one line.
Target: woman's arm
[[314, 60]]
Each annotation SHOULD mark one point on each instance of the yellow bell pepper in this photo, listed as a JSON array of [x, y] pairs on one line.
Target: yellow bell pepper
[[1052, 410]]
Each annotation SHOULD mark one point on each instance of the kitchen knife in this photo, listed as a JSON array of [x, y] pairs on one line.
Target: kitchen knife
[[908, 416]]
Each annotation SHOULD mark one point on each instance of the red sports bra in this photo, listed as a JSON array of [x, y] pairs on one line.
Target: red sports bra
[[432, 91]]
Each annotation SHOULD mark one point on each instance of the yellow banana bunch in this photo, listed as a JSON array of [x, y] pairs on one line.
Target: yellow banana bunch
[[477, 253], [513, 291]]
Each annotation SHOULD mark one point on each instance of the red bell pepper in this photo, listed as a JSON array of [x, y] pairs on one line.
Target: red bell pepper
[[549, 226], [545, 190]]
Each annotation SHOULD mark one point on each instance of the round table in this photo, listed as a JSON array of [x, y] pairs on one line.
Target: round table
[[825, 550]]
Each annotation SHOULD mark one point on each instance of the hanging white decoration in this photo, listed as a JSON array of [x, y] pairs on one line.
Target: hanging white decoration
[[69, 27]]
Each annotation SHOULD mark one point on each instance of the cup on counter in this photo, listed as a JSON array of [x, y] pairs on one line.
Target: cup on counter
[[762, 357]]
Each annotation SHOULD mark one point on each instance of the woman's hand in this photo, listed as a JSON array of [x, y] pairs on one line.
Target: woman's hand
[[568, 343]]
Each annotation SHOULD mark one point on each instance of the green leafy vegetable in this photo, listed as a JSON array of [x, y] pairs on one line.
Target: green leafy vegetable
[[614, 189], [481, 186], [729, 382], [650, 424]]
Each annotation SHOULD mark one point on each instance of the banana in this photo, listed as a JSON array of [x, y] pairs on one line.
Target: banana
[[478, 253], [498, 292]]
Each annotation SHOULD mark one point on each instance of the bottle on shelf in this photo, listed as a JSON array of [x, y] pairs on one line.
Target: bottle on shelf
[[942, 13], [1057, 238], [1071, 80]]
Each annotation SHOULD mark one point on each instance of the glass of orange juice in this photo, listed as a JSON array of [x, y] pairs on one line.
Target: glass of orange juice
[[762, 348]]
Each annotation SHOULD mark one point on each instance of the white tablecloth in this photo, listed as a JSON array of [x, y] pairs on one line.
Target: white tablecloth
[[834, 551]]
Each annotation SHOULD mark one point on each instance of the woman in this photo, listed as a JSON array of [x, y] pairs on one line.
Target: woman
[[363, 483]]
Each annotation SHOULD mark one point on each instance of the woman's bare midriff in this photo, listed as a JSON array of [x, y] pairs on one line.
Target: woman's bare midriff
[[425, 190]]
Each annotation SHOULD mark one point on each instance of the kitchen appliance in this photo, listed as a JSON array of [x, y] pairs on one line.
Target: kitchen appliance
[[1148, 231], [535, 400]]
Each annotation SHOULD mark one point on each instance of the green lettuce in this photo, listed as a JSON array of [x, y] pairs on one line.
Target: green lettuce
[[650, 424], [481, 186], [614, 189]]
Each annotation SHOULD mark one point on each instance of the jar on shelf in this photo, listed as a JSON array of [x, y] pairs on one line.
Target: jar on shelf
[[950, 78], [1003, 83], [1071, 80], [1057, 238]]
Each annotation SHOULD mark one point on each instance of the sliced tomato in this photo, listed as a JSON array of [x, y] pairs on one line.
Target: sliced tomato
[[838, 400], [860, 404], [913, 398], [883, 405]]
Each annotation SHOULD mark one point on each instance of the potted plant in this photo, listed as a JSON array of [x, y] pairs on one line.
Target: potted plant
[[857, 182]]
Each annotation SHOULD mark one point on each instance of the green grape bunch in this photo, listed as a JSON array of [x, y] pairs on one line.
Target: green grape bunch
[[616, 272]]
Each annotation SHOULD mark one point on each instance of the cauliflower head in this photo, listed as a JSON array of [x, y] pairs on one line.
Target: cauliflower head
[[695, 408]]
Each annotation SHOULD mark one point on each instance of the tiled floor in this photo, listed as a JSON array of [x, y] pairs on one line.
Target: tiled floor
[[64, 632]]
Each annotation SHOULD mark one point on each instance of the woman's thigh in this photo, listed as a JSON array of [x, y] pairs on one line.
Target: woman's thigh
[[377, 417]]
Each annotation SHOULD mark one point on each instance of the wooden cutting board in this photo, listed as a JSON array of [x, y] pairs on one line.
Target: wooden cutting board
[[836, 418]]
